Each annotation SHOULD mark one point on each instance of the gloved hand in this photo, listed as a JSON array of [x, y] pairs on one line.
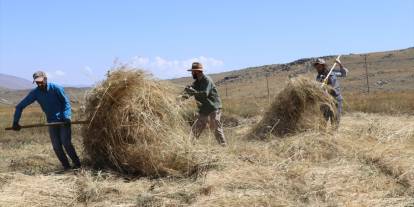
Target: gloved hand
[[67, 122], [332, 92], [183, 97], [190, 90], [339, 63], [16, 126]]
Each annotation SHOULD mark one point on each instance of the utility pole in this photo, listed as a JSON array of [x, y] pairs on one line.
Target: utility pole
[[366, 71], [267, 86]]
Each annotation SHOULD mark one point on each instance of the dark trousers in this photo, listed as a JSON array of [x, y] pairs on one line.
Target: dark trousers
[[61, 137], [329, 115], [339, 114]]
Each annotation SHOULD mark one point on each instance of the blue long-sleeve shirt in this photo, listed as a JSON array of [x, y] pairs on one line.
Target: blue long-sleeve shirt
[[54, 103], [333, 80]]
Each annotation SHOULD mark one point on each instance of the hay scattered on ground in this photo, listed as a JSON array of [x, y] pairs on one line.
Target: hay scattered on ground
[[136, 127], [363, 164], [32, 165], [296, 108]]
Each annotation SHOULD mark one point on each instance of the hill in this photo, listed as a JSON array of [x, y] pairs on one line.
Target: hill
[[389, 71], [14, 83]]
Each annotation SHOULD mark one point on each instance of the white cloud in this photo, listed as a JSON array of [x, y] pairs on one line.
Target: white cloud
[[165, 68], [140, 61], [49, 75], [89, 73], [54, 75], [88, 69], [60, 73]]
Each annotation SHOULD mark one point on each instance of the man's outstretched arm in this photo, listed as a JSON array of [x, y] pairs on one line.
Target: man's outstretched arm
[[342, 72], [29, 99]]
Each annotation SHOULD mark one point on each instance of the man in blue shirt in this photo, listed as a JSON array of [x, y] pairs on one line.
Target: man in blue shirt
[[55, 104], [321, 68]]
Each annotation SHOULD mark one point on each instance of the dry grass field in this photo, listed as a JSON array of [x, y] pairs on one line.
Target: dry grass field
[[368, 161]]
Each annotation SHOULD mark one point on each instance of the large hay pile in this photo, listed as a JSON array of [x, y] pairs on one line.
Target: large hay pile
[[136, 127], [299, 106]]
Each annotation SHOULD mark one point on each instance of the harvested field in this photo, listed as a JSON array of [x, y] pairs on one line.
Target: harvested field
[[367, 162]]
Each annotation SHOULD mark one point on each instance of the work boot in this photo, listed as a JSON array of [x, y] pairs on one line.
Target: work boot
[[223, 144], [76, 167], [64, 170]]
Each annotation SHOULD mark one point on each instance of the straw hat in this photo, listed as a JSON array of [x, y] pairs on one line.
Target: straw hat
[[196, 66]]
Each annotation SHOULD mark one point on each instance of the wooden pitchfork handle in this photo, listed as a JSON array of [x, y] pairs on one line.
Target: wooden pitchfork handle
[[48, 124], [325, 81]]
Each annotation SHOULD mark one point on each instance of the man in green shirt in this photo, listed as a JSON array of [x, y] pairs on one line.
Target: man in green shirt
[[209, 104]]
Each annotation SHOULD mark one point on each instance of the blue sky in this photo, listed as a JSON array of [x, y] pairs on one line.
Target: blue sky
[[77, 41]]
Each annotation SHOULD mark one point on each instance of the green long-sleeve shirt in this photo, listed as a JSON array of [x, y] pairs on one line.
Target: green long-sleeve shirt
[[206, 94]]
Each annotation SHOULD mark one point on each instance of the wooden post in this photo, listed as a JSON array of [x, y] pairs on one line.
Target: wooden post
[[366, 71], [267, 86]]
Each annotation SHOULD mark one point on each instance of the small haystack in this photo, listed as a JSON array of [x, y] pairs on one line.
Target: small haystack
[[298, 107], [136, 127]]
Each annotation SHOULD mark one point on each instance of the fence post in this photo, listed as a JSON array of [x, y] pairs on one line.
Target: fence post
[[366, 71], [267, 86]]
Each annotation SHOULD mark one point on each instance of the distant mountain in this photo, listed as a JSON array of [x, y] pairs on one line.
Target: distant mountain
[[14, 83]]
